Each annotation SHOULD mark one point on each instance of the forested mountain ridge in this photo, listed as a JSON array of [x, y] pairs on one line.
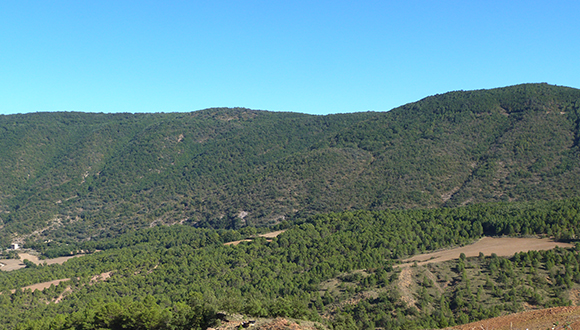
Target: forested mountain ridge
[[72, 176]]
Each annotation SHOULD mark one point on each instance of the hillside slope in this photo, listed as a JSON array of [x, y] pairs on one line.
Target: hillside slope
[[341, 269], [75, 176]]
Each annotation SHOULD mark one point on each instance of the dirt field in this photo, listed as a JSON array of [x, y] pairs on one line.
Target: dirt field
[[13, 264], [505, 246], [46, 285], [533, 320], [42, 286]]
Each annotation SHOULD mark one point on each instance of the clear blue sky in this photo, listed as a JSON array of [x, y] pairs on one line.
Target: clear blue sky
[[315, 57]]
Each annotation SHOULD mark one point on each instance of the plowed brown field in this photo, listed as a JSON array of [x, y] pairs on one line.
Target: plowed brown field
[[504, 246], [13, 264]]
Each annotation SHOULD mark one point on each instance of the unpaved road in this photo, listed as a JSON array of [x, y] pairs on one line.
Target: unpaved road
[[504, 246]]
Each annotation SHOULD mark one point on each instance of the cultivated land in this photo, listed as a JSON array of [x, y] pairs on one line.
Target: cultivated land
[[46, 285], [14, 264], [43, 285], [504, 246]]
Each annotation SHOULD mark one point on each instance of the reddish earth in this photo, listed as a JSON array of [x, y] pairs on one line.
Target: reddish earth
[[504, 246], [283, 324], [557, 318], [551, 318]]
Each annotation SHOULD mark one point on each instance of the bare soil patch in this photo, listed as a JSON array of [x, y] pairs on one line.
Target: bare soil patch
[[238, 242], [574, 296], [102, 277], [28, 256], [272, 234], [66, 292], [42, 286], [59, 260], [14, 264], [504, 246], [46, 285], [532, 320], [11, 264], [405, 281]]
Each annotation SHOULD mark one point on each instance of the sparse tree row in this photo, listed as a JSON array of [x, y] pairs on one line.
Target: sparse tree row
[[178, 277]]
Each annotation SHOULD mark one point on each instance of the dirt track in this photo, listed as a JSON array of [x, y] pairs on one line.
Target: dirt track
[[505, 246]]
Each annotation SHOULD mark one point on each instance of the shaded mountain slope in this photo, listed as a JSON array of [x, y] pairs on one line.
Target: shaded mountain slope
[[73, 176]]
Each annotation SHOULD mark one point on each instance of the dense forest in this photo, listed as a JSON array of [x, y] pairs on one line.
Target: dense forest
[[72, 177], [151, 200], [180, 277]]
